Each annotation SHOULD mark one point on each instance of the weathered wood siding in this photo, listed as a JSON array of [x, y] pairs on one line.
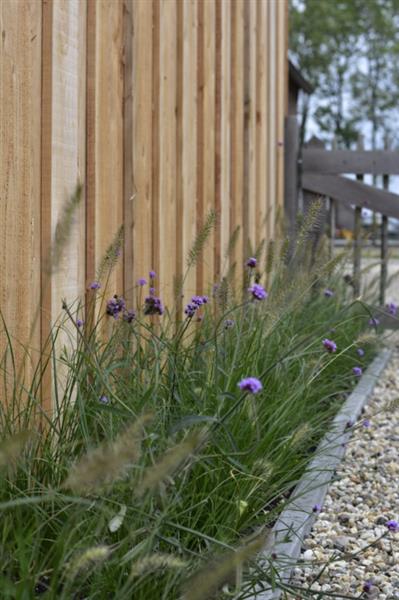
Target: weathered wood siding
[[164, 110]]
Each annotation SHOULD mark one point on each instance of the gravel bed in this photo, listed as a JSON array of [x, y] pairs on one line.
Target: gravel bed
[[362, 498]]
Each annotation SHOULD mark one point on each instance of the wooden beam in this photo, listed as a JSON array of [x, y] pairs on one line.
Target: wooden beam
[[374, 162], [352, 193]]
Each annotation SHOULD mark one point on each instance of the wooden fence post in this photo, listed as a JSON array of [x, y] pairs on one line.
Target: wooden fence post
[[291, 144], [384, 248], [332, 226], [357, 232]]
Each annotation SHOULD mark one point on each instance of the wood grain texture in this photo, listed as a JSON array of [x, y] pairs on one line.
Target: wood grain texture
[[237, 136], [188, 141], [206, 148], [262, 124], [20, 133], [250, 164], [334, 162], [225, 133], [272, 116], [352, 192], [167, 148], [142, 123], [108, 148], [280, 89]]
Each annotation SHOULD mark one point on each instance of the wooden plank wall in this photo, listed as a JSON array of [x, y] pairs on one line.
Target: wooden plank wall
[[164, 110]]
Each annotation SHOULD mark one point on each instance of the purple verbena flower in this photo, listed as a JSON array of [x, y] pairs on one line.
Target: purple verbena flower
[[153, 306], [360, 352], [366, 423], [392, 525], [141, 281], [152, 291], [367, 586], [228, 324], [197, 300], [115, 306], [190, 310], [373, 322], [258, 292], [251, 385], [95, 285], [349, 424], [328, 293], [251, 262], [129, 316], [152, 274], [104, 399], [392, 308], [357, 371], [329, 345], [316, 508], [79, 322]]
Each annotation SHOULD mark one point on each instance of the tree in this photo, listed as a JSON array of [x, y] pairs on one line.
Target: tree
[[348, 50]]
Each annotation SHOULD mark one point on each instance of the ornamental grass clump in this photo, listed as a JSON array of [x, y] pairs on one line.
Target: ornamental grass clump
[[176, 438]]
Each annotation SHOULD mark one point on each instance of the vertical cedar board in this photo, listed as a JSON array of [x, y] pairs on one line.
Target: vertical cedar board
[[188, 147], [68, 152], [108, 138], [237, 136], [250, 86], [261, 124], [20, 109], [272, 115], [208, 148], [225, 133], [167, 149], [280, 87], [142, 140]]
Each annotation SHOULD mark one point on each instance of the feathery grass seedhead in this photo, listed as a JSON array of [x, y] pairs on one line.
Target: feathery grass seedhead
[[232, 242], [208, 580], [270, 257], [156, 562], [173, 459], [104, 465], [63, 229], [263, 468], [89, 559], [201, 238], [111, 255], [301, 435], [11, 448]]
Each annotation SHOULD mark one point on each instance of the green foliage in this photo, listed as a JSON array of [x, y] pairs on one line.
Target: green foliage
[[348, 49], [157, 477]]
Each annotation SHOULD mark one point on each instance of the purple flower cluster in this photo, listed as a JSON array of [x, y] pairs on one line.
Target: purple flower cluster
[[258, 292], [392, 525], [329, 345], [104, 399], [153, 305], [115, 306], [193, 306], [129, 316], [95, 285], [152, 274], [360, 352], [367, 586], [392, 308], [251, 385], [328, 293], [357, 371], [228, 324], [373, 322], [316, 508], [141, 282], [79, 322], [251, 262]]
